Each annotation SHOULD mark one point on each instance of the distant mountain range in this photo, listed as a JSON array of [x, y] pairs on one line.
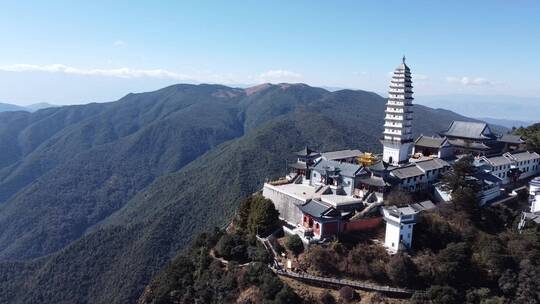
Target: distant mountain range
[[5, 107], [519, 109], [95, 199], [508, 123]]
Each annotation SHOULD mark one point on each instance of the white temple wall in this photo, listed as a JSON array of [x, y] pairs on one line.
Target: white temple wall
[[285, 204]]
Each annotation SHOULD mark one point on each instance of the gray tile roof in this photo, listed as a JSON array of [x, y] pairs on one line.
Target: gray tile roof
[[298, 165], [471, 130], [431, 142], [373, 181], [470, 145], [498, 161], [406, 172], [316, 208], [307, 152], [378, 166], [487, 178], [512, 139], [423, 206], [432, 164], [345, 169], [405, 210], [419, 168], [523, 156], [335, 155]]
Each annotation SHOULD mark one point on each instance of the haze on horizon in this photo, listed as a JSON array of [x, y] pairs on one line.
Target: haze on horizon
[[64, 52]]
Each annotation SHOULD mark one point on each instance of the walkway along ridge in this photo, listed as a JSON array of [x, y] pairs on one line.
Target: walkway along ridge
[[276, 268]]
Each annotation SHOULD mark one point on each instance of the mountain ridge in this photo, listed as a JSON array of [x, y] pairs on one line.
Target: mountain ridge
[[7, 107], [156, 169]]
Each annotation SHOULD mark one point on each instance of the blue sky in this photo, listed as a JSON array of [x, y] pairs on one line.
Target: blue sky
[[80, 51]]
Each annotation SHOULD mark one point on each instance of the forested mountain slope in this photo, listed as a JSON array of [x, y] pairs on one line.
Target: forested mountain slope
[[140, 177]]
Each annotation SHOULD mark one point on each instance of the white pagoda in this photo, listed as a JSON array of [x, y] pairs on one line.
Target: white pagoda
[[397, 136]]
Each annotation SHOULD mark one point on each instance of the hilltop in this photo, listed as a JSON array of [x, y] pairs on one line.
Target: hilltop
[[95, 199], [6, 107]]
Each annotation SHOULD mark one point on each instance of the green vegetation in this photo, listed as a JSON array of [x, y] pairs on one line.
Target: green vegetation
[[472, 264], [108, 193], [294, 244], [458, 181], [454, 259], [263, 216], [531, 135], [197, 278], [347, 294]]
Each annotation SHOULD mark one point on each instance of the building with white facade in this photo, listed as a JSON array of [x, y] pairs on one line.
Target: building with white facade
[[431, 146], [397, 137], [527, 163], [340, 177], [488, 188], [399, 227], [534, 195], [511, 166], [419, 175], [534, 199]]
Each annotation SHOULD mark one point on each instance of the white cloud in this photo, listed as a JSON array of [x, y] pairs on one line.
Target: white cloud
[[469, 81], [279, 75], [118, 43], [113, 72]]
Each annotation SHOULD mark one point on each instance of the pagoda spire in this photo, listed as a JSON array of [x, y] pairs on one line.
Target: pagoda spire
[[397, 136]]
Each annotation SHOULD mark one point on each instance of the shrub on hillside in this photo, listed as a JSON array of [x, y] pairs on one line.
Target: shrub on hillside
[[321, 260], [398, 197], [294, 244], [433, 232], [401, 270], [347, 294], [367, 262], [327, 298], [437, 295], [455, 262], [263, 216], [232, 247]]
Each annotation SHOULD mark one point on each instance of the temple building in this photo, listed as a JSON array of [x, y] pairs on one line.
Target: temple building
[[348, 156], [397, 137], [464, 138], [334, 192], [472, 138], [512, 142], [511, 166], [306, 158], [431, 147], [419, 175]]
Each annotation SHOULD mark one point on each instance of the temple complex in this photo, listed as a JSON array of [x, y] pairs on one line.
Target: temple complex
[[334, 192]]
